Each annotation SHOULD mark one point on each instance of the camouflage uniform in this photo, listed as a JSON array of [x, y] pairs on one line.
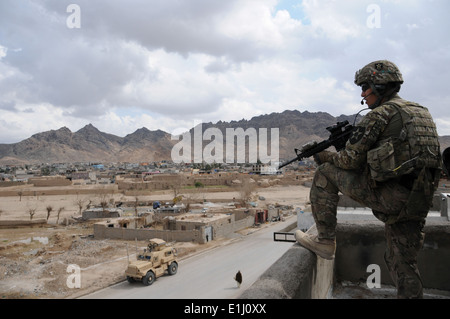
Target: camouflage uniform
[[399, 196]]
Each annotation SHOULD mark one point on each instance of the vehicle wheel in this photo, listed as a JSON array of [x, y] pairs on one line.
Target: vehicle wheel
[[173, 268], [149, 278], [130, 279]]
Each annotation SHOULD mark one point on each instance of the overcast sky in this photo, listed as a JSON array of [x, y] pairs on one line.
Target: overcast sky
[[169, 64]]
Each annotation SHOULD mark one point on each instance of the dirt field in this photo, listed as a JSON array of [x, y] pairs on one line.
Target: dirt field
[[35, 261]]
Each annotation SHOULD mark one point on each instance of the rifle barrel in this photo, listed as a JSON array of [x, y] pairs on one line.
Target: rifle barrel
[[287, 163], [336, 139]]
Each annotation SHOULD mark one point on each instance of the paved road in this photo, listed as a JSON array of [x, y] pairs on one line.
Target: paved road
[[209, 275]]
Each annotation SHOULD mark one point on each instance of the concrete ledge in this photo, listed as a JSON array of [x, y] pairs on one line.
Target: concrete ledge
[[360, 244], [299, 274], [291, 277]]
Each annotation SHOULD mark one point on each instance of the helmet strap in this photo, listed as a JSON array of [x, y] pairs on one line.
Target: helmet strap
[[381, 96], [377, 103]]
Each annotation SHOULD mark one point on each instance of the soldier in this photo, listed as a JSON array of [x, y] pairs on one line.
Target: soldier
[[391, 164]]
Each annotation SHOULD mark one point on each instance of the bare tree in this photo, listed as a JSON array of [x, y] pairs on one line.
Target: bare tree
[[246, 189], [20, 193], [80, 204], [135, 205], [59, 212], [176, 185], [103, 204], [192, 197], [31, 211], [49, 210], [104, 199]]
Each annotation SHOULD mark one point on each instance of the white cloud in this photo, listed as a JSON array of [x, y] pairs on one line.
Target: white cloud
[[3, 51], [336, 20], [161, 64]]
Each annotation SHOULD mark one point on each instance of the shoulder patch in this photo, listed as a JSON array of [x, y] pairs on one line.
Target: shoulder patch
[[357, 135]]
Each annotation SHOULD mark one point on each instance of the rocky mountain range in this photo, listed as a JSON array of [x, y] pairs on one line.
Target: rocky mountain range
[[91, 145], [88, 145]]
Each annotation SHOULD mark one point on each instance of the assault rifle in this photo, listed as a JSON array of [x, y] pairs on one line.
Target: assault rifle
[[340, 133]]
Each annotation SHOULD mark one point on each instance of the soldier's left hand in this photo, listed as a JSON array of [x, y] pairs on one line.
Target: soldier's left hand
[[323, 157]]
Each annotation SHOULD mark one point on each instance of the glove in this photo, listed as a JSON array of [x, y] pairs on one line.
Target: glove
[[324, 157]]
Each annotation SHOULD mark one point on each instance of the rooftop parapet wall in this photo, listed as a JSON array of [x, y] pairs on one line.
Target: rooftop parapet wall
[[299, 274], [365, 242]]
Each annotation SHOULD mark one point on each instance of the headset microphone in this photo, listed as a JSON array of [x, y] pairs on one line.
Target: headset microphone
[[362, 101]]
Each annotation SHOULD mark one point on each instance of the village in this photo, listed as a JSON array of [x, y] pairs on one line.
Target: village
[[90, 216]]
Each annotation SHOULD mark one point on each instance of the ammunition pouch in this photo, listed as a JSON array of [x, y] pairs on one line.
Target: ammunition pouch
[[383, 165], [415, 147]]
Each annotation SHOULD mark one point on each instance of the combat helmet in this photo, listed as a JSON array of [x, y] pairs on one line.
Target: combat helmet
[[383, 77], [379, 73]]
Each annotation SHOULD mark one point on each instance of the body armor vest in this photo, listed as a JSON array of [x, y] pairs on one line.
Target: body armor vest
[[408, 143]]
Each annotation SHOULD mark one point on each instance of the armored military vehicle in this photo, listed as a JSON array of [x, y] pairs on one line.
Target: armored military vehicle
[[156, 260]]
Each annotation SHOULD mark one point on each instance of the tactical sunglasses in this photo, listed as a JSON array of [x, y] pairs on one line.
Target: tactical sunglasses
[[365, 87]]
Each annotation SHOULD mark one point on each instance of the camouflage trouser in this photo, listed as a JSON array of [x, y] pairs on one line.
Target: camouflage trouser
[[404, 238]]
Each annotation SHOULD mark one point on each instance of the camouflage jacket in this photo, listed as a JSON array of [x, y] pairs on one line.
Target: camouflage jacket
[[386, 123]]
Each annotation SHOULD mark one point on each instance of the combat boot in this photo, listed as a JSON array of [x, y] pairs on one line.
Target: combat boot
[[324, 248]]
